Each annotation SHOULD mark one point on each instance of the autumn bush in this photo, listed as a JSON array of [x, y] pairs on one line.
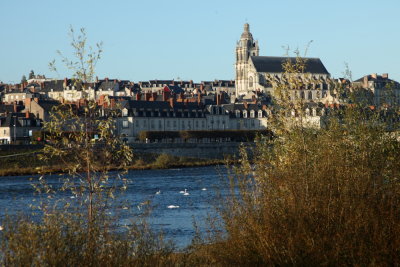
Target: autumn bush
[[314, 196]]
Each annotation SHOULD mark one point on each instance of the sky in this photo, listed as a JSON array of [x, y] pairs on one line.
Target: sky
[[196, 40]]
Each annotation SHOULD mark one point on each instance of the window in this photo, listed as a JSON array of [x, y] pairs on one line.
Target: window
[[124, 112], [260, 113], [252, 114], [250, 81], [125, 124], [237, 113], [244, 113]]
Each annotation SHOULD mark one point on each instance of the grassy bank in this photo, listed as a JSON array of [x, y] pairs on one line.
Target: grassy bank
[[14, 163]]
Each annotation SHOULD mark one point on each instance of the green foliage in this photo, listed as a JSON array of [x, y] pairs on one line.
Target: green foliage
[[23, 79], [32, 74], [164, 161], [85, 57]]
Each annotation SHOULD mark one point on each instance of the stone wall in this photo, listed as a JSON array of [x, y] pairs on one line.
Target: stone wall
[[193, 150]]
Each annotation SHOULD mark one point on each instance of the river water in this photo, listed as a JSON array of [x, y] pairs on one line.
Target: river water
[[172, 212]]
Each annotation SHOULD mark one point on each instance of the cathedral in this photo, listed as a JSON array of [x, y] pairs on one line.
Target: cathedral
[[255, 72]]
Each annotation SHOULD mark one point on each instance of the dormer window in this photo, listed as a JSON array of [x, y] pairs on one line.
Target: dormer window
[[244, 113], [237, 113], [260, 114], [124, 112], [252, 114]]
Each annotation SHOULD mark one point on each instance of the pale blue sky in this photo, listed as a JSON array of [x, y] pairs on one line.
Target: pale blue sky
[[196, 40]]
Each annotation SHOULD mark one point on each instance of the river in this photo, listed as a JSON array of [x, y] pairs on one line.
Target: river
[[172, 211]]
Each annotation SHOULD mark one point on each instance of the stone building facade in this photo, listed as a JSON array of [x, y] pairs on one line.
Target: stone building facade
[[264, 73]]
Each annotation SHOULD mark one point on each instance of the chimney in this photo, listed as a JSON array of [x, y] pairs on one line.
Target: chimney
[[138, 96], [101, 100], [245, 105], [97, 79], [112, 103], [106, 79], [147, 96], [374, 75], [27, 114], [198, 98], [218, 99], [28, 103], [385, 76], [171, 102], [65, 82], [15, 106], [365, 81], [165, 95]]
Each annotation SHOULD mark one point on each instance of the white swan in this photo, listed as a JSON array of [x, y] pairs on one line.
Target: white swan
[[158, 192], [186, 193], [182, 192], [173, 207], [204, 189]]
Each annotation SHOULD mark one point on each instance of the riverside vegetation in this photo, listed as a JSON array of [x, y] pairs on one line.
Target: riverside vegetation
[[306, 197]]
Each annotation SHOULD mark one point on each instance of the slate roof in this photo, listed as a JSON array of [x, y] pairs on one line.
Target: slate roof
[[134, 104], [274, 64], [47, 105], [9, 108], [9, 120], [378, 78], [56, 85]]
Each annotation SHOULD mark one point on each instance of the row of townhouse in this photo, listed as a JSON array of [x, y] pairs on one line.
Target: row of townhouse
[[69, 90], [137, 116]]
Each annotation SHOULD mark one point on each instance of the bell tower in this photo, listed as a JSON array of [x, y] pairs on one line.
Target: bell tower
[[245, 48]]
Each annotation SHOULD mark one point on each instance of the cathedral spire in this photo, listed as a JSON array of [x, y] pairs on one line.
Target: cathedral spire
[[246, 32]]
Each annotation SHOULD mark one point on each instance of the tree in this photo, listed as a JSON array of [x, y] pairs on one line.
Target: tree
[[23, 79], [32, 75], [83, 138]]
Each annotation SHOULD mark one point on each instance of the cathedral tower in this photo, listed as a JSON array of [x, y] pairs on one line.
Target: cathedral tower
[[245, 48]]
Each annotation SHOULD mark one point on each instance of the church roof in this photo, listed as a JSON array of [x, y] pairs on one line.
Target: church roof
[[274, 64]]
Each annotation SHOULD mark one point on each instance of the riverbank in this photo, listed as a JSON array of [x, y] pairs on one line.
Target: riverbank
[[13, 163]]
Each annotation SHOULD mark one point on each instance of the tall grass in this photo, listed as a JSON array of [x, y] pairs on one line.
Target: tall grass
[[63, 239], [316, 197]]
